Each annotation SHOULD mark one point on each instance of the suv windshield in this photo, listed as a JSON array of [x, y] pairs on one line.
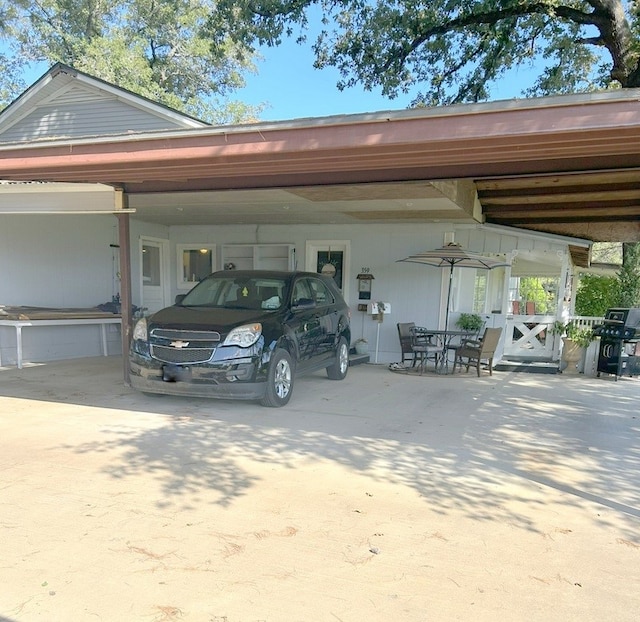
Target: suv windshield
[[237, 293]]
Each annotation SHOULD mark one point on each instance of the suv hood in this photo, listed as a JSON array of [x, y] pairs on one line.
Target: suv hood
[[205, 318]]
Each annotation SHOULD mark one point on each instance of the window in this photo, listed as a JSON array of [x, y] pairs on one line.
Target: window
[[301, 293], [150, 265], [331, 263], [195, 262], [321, 294], [332, 258], [480, 291]]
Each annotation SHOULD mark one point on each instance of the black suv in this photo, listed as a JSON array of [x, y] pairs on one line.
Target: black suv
[[243, 335]]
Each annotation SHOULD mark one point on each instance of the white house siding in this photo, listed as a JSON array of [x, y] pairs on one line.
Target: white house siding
[[61, 262], [414, 291], [84, 118], [67, 261]]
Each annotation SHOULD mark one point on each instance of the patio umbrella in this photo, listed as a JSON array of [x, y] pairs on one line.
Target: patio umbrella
[[452, 256]]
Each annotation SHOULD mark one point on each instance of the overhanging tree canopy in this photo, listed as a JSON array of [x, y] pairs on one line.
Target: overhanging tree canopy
[[156, 48], [452, 50]]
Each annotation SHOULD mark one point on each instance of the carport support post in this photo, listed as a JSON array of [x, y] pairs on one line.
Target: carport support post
[[125, 279]]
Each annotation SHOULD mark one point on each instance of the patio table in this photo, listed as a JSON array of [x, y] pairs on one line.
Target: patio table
[[446, 338]]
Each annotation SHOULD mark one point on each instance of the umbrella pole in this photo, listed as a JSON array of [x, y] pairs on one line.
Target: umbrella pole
[[445, 354], [446, 316]]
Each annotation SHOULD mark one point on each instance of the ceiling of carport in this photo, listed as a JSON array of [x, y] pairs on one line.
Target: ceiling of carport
[[602, 205], [567, 165], [337, 204]]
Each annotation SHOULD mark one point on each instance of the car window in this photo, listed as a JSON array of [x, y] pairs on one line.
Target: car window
[[270, 292], [237, 293], [206, 293], [320, 292], [302, 294]]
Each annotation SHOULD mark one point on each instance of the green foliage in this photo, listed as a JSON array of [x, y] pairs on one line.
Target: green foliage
[[570, 330], [596, 294], [539, 291], [452, 51], [159, 49], [469, 321], [629, 277]]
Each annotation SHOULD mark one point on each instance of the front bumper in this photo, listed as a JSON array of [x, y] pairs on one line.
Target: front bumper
[[235, 378]]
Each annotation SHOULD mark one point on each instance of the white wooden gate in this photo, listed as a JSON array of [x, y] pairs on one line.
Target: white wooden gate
[[528, 337]]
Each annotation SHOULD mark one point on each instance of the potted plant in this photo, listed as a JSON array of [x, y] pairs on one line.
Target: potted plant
[[361, 346], [575, 340], [471, 322]]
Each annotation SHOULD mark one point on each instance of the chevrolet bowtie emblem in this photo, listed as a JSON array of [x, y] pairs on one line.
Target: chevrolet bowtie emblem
[[179, 344]]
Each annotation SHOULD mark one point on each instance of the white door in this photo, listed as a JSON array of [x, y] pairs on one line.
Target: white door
[[153, 256], [332, 257]]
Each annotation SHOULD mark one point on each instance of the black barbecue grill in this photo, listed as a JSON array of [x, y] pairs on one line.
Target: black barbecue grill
[[619, 334]]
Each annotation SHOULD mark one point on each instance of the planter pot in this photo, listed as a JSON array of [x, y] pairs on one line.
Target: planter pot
[[361, 347], [571, 356]]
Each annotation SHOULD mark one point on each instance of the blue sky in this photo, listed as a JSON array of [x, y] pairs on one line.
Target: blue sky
[[287, 81]]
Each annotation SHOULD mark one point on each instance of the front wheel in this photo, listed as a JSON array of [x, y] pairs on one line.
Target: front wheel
[[279, 380], [338, 369]]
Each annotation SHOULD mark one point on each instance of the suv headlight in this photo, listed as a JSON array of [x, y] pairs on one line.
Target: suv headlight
[[140, 330], [244, 336]]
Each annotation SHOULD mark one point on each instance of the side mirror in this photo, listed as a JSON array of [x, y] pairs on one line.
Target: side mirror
[[179, 298]]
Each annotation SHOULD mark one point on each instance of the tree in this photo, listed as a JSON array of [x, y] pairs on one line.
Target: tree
[[156, 48], [537, 290], [629, 277], [596, 293], [453, 50]]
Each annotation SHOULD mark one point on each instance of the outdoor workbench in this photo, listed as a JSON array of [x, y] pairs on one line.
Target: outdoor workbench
[[101, 320]]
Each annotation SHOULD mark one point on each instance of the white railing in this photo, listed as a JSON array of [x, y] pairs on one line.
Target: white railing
[[531, 336], [586, 321]]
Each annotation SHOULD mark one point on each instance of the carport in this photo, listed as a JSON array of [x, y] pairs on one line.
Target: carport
[[565, 165], [476, 498]]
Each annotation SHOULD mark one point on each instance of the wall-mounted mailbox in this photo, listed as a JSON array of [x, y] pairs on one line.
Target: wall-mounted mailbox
[[364, 285], [375, 308]]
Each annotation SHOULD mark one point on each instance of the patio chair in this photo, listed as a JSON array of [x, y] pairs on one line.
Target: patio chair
[[425, 347], [473, 335], [476, 351], [406, 338]]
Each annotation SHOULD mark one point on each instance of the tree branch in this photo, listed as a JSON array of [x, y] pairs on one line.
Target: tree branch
[[492, 17]]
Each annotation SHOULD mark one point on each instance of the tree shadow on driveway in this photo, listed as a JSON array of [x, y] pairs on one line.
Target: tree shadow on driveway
[[492, 449]]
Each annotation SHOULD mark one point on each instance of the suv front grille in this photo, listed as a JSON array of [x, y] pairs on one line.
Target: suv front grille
[[183, 347], [181, 356]]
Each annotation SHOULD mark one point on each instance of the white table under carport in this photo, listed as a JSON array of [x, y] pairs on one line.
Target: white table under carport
[[20, 324]]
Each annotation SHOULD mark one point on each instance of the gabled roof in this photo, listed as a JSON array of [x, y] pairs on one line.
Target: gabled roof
[[66, 103]]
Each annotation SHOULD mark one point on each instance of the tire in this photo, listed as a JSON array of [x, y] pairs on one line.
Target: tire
[[338, 369], [279, 380]]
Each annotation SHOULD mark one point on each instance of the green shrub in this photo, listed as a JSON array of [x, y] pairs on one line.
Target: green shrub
[[596, 294], [469, 321]]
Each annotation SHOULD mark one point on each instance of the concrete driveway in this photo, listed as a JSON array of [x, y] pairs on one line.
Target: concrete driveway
[[381, 498]]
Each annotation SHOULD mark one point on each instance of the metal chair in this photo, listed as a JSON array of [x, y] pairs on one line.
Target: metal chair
[[475, 351], [406, 337], [425, 347]]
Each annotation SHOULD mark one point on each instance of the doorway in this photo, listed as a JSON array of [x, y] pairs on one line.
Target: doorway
[[153, 273], [333, 258]]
